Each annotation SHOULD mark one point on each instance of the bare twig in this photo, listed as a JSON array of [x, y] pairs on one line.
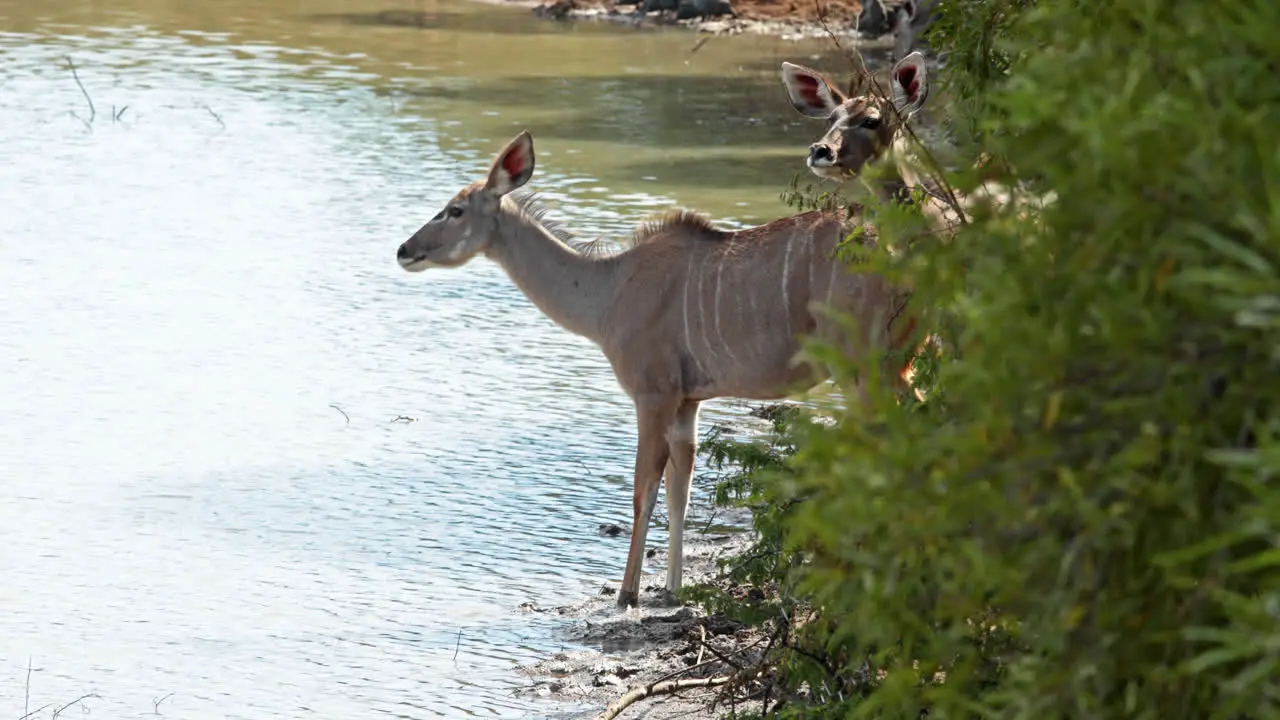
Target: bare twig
[[344, 412], [34, 712], [76, 115], [702, 643], [720, 657], [215, 115], [856, 63], [752, 673], [457, 645], [698, 45], [93, 113], [403, 419], [707, 528], [115, 116], [77, 701], [155, 704], [686, 670], [661, 688], [26, 702]]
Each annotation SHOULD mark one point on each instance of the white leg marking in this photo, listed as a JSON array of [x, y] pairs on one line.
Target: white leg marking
[[683, 430]]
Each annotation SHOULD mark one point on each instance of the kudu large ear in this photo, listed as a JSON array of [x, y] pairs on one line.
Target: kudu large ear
[[513, 167], [910, 83], [810, 93]]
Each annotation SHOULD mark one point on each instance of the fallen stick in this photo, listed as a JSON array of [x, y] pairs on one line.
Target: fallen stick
[[662, 688]]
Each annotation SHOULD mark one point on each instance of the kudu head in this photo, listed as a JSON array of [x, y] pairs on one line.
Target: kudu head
[[860, 129], [469, 221], [909, 21]]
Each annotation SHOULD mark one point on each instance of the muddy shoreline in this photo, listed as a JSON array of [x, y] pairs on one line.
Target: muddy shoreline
[[618, 651], [792, 21]]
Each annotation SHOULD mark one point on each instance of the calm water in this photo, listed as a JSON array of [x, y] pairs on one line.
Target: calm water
[[191, 282]]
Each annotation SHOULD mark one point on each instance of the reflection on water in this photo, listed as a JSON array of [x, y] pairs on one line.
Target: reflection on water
[[247, 459]]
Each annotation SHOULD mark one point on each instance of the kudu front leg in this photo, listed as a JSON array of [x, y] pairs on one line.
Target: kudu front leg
[[682, 439], [653, 418]]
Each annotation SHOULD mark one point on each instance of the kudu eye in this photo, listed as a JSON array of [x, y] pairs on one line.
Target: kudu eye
[[871, 123], [454, 211]]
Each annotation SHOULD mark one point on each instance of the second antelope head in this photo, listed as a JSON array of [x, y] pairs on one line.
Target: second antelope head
[[859, 129]]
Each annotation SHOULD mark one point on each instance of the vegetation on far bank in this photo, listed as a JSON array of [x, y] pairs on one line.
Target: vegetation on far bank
[[1081, 520]]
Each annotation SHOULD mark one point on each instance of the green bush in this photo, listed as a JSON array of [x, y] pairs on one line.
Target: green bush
[[1085, 522]]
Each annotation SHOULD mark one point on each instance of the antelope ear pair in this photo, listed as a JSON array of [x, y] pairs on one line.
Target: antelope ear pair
[[813, 95]]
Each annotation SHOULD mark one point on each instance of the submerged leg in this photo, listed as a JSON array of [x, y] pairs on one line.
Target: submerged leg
[[682, 439], [653, 417]]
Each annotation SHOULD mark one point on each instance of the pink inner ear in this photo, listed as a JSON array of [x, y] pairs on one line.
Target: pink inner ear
[[809, 90], [907, 79], [513, 162]]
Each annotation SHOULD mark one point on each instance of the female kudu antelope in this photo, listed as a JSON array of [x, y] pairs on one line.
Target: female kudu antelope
[[686, 312]]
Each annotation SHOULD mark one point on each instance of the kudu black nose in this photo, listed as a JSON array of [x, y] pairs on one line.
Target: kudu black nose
[[819, 151], [402, 252]]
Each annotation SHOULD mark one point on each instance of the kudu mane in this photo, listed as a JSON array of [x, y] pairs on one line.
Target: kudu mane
[[696, 226]]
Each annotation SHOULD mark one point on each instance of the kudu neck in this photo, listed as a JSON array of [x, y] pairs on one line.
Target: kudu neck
[[571, 289], [897, 181]]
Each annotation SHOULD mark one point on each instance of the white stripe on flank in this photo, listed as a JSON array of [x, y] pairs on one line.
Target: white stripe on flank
[[685, 307], [720, 335], [831, 283], [703, 325], [786, 275]]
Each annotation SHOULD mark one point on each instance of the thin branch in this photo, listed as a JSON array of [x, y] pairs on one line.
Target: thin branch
[[155, 704], [707, 528], [33, 712], [215, 115], [78, 700], [662, 688], [344, 412], [856, 62], [92, 111], [704, 645], [76, 115], [683, 671]]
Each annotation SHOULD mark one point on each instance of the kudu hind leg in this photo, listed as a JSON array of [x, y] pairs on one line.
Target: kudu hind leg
[[652, 453], [682, 441]]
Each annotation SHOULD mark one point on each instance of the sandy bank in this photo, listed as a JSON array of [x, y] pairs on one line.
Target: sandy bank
[[655, 641]]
